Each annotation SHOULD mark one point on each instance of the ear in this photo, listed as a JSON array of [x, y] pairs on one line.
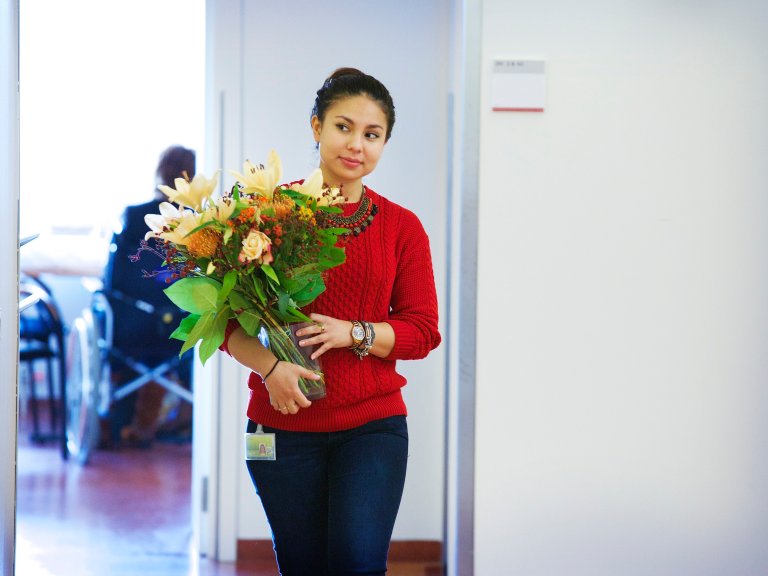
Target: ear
[[316, 127]]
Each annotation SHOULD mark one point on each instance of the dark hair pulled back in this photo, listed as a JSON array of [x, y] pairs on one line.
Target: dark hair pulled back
[[175, 161], [346, 82]]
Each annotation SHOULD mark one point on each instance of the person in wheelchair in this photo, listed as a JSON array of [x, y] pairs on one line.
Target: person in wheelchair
[[143, 319]]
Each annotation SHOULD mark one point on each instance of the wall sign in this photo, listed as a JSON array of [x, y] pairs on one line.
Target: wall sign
[[518, 86]]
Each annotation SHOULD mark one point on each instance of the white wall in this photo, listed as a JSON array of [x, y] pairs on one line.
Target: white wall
[[269, 58], [622, 411]]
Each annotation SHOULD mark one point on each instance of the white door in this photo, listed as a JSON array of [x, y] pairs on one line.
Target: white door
[[9, 238]]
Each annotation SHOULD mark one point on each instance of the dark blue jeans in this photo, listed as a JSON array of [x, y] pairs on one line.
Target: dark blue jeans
[[331, 499]]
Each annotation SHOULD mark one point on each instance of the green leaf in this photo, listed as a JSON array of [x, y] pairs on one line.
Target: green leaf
[[330, 257], [283, 301], [185, 327], [237, 301], [293, 285], [309, 292], [334, 254], [207, 224], [298, 197], [300, 272], [270, 272], [196, 295], [259, 289], [250, 320], [200, 331], [229, 282], [332, 232], [211, 343], [297, 315]]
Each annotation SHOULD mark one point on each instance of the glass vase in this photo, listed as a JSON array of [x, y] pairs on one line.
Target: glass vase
[[281, 339]]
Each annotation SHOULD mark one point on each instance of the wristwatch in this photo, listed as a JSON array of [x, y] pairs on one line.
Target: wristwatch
[[358, 334]]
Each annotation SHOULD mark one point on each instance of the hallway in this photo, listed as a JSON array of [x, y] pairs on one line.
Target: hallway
[[126, 513]]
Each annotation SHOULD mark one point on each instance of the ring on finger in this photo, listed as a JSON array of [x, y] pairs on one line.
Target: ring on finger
[[322, 327]]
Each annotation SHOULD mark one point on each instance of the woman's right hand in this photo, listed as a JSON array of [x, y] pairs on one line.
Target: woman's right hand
[[285, 396]]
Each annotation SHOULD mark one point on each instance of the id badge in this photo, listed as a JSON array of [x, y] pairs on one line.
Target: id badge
[[260, 445]]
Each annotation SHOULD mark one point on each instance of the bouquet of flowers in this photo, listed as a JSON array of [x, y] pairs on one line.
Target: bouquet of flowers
[[256, 254]]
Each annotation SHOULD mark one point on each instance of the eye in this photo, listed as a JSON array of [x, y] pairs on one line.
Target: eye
[[372, 135], [342, 127]]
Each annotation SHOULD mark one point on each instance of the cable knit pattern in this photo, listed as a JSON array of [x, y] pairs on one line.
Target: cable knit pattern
[[387, 277]]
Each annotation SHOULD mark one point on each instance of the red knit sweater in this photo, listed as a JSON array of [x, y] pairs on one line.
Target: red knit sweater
[[387, 277]]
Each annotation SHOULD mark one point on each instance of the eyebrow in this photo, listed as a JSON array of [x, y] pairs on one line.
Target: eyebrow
[[352, 122]]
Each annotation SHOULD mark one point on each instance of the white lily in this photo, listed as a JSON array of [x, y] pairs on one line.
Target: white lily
[[192, 194], [261, 179], [171, 224], [220, 210], [179, 235], [158, 222], [313, 186]]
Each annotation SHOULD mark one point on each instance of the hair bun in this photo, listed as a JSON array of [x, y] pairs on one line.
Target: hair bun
[[339, 72]]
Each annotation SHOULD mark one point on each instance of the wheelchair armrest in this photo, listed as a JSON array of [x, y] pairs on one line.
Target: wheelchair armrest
[[117, 295]]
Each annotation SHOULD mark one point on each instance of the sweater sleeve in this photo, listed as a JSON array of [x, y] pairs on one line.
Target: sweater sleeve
[[231, 326], [413, 307]]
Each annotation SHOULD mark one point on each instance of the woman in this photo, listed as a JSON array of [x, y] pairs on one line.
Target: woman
[[332, 492]]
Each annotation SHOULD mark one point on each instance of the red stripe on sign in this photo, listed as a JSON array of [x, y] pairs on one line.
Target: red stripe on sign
[[499, 109]]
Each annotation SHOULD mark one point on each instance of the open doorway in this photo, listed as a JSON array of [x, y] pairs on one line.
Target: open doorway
[[100, 99]]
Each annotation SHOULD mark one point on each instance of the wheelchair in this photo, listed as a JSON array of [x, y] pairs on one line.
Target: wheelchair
[[93, 353]]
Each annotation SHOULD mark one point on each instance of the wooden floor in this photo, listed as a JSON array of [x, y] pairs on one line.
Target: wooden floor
[[126, 513]]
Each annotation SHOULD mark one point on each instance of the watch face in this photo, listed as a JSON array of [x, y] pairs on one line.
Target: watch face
[[358, 332]]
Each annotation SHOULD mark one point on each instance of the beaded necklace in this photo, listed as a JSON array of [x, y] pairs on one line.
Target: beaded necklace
[[357, 222]]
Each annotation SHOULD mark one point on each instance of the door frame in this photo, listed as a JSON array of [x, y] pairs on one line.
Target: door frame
[[9, 264]]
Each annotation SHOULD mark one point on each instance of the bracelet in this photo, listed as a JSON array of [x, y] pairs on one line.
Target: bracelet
[[271, 370], [370, 333], [367, 343]]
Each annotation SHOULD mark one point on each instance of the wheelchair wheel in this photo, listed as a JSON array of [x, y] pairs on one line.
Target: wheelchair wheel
[[102, 323], [83, 382]]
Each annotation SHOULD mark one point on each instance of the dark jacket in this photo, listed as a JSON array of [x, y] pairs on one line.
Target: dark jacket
[[137, 331]]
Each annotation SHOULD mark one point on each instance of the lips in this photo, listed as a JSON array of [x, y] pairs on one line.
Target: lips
[[350, 162]]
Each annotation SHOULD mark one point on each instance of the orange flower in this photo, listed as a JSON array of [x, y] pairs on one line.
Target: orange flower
[[283, 206], [246, 214], [203, 243]]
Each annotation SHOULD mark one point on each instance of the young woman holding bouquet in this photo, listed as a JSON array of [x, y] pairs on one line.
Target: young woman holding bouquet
[[332, 489]]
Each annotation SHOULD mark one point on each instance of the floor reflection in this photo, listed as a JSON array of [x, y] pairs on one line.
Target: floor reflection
[[126, 513]]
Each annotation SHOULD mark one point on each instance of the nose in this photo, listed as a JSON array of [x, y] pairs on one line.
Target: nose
[[355, 142]]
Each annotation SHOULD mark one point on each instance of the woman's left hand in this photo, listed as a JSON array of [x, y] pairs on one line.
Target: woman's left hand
[[326, 333]]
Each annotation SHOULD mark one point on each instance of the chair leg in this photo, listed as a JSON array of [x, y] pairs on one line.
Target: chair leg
[[63, 406], [52, 401], [35, 435]]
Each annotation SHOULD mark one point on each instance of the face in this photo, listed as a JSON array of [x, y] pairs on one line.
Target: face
[[351, 137]]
